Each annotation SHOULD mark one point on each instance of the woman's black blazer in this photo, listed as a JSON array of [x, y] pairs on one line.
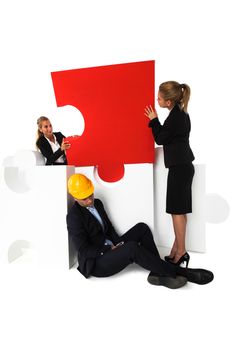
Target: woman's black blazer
[[45, 148], [174, 136]]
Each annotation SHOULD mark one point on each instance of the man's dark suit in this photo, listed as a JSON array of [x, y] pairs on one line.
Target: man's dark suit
[[88, 236], [96, 258], [45, 148]]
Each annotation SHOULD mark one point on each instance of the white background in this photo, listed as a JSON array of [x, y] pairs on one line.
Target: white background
[[191, 42]]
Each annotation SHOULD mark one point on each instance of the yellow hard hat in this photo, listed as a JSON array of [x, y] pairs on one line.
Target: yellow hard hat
[[79, 186]]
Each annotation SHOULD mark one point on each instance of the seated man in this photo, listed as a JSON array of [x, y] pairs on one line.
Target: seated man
[[102, 252]]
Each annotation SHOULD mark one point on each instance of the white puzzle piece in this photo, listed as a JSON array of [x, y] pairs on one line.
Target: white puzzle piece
[[34, 204]]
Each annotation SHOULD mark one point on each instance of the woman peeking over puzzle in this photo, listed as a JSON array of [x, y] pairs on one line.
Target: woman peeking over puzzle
[[51, 144]]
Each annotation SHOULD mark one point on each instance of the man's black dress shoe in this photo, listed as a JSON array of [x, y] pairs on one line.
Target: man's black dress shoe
[[199, 276], [166, 281]]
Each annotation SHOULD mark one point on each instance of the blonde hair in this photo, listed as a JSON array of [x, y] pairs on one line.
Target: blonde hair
[[39, 125], [176, 93]]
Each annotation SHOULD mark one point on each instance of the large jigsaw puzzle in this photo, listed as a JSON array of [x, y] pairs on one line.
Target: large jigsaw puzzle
[[112, 101]]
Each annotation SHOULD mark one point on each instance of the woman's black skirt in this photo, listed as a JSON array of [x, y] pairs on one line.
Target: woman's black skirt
[[179, 189]]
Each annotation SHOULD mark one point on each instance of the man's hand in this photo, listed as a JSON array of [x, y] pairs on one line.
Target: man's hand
[[117, 245]]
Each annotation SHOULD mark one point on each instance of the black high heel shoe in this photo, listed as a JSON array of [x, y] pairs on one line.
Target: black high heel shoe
[[183, 259], [167, 258]]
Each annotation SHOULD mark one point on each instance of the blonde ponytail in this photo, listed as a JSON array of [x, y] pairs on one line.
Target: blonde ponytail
[[185, 96]]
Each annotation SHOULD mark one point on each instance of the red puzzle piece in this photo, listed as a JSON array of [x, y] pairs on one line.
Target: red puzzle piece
[[112, 101]]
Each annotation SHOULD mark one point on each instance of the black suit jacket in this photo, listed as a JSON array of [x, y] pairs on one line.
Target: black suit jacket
[[88, 235], [174, 136], [45, 148]]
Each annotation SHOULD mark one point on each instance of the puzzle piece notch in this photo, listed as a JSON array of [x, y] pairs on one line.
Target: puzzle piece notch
[[68, 119], [16, 169], [112, 101], [217, 209], [111, 172]]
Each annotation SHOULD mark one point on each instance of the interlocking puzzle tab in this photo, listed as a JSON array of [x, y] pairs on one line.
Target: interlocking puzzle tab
[[112, 101]]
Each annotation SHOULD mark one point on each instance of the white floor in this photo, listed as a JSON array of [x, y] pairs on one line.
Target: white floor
[[50, 309]]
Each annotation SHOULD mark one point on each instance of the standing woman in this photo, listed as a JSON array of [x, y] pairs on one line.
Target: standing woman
[[51, 145], [178, 157]]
